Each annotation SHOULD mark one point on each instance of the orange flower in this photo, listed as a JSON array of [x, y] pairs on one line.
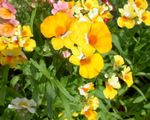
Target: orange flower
[[100, 37], [7, 29], [55, 25]]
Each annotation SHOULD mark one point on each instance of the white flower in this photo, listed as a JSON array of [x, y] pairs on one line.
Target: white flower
[[23, 103], [114, 82]]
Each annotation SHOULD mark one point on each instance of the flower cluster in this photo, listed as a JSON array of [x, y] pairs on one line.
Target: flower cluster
[[91, 104], [123, 72], [134, 12], [89, 110], [79, 29], [13, 37]]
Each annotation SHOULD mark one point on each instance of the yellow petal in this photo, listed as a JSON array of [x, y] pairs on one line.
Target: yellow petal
[[29, 45], [91, 66], [26, 32], [57, 43], [146, 18], [125, 22], [88, 50], [142, 4], [100, 37], [119, 61], [74, 60], [55, 25], [128, 79], [109, 92]]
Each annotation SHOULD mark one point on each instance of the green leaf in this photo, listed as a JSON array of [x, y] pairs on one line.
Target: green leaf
[[136, 88], [147, 106], [14, 80], [116, 43], [139, 99], [52, 79]]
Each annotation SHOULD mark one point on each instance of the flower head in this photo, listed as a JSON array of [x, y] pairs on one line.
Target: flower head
[[86, 88], [55, 25], [109, 92], [89, 66], [119, 61], [23, 103], [127, 75]]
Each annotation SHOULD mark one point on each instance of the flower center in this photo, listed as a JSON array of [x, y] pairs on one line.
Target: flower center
[[23, 104], [138, 3], [85, 61], [59, 31], [92, 39]]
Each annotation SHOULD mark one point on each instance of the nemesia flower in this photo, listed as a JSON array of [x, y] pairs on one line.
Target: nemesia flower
[[142, 4], [101, 41], [23, 104], [109, 92], [119, 61], [127, 75], [55, 25], [6, 13], [134, 13], [29, 45], [89, 66], [114, 82], [7, 29], [9, 6], [93, 103], [127, 16], [86, 88], [146, 18], [26, 31], [89, 4], [89, 114]]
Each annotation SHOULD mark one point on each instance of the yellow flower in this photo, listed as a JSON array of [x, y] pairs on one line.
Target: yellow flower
[[89, 114], [128, 15], [146, 18], [29, 45], [89, 66], [3, 43], [89, 4], [93, 103], [109, 92], [127, 76], [26, 31], [119, 61], [142, 4], [55, 25], [126, 22]]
